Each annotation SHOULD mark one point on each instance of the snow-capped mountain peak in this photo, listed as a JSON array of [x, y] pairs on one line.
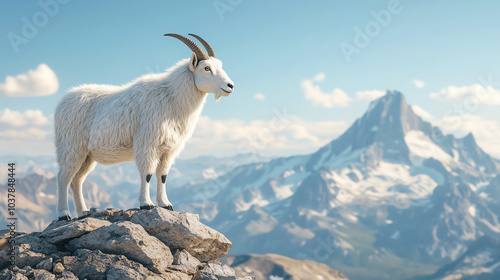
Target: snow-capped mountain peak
[[391, 131]]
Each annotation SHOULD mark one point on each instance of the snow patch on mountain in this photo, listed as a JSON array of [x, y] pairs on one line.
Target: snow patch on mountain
[[422, 146]]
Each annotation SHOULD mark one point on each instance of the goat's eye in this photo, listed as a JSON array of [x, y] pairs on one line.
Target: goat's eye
[[207, 68]]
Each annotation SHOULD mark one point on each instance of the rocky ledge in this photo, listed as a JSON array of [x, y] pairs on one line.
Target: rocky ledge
[[120, 244]]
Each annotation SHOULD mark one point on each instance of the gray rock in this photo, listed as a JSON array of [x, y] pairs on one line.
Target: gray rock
[[112, 214], [71, 230], [123, 215], [17, 276], [176, 275], [184, 262], [36, 273], [4, 258], [41, 274], [127, 239], [5, 273], [215, 270], [120, 272], [38, 244], [58, 268], [246, 278], [24, 256], [56, 223], [68, 275], [45, 264], [183, 231], [95, 264], [5, 233]]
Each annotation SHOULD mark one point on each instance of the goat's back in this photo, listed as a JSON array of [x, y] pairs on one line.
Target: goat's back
[[73, 115]]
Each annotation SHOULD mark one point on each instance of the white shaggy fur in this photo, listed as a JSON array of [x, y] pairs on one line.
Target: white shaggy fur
[[147, 120]]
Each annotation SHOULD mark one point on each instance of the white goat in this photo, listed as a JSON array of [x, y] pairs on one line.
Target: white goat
[[147, 120]]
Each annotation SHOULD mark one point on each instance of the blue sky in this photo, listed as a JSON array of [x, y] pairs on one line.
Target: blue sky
[[286, 57]]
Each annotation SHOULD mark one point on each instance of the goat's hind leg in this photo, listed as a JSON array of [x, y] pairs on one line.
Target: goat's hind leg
[[69, 165], [76, 185]]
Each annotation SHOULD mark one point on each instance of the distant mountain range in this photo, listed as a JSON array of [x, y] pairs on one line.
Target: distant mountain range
[[481, 261], [36, 199], [391, 198], [275, 267]]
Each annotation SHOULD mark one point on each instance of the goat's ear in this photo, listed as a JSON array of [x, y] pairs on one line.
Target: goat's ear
[[193, 63]]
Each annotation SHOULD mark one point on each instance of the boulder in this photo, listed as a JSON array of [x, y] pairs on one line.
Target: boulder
[[184, 262], [180, 230], [121, 272], [67, 275], [95, 264], [38, 244], [17, 276], [58, 268], [24, 256], [41, 274], [130, 240], [45, 264], [215, 270], [68, 231]]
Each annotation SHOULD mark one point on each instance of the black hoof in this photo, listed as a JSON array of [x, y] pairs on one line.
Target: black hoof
[[65, 218], [148, 207], [168, 207]]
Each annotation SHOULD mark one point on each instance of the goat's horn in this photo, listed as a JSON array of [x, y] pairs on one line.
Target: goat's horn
[[207, 46], [200, 54]]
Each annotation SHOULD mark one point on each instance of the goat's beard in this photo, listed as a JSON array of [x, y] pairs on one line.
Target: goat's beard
[[218, 96]]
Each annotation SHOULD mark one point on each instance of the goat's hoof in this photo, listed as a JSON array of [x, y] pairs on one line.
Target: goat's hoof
[[65, 218], [169, 207], [148, 207]]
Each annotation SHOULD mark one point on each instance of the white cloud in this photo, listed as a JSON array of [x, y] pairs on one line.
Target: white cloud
[[337, 98], [474, 94], [17, 119], [38, 82], [291, 135], [319, 78], [422, 113], [369, 94], [31, 133], [259, 96], [28, 132], [418, 83]]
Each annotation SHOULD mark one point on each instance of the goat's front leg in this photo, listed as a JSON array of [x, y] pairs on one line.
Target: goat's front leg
[[161, 178], [146, 162]]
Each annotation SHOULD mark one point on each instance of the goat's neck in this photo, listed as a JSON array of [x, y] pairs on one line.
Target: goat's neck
[[186, 101]]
